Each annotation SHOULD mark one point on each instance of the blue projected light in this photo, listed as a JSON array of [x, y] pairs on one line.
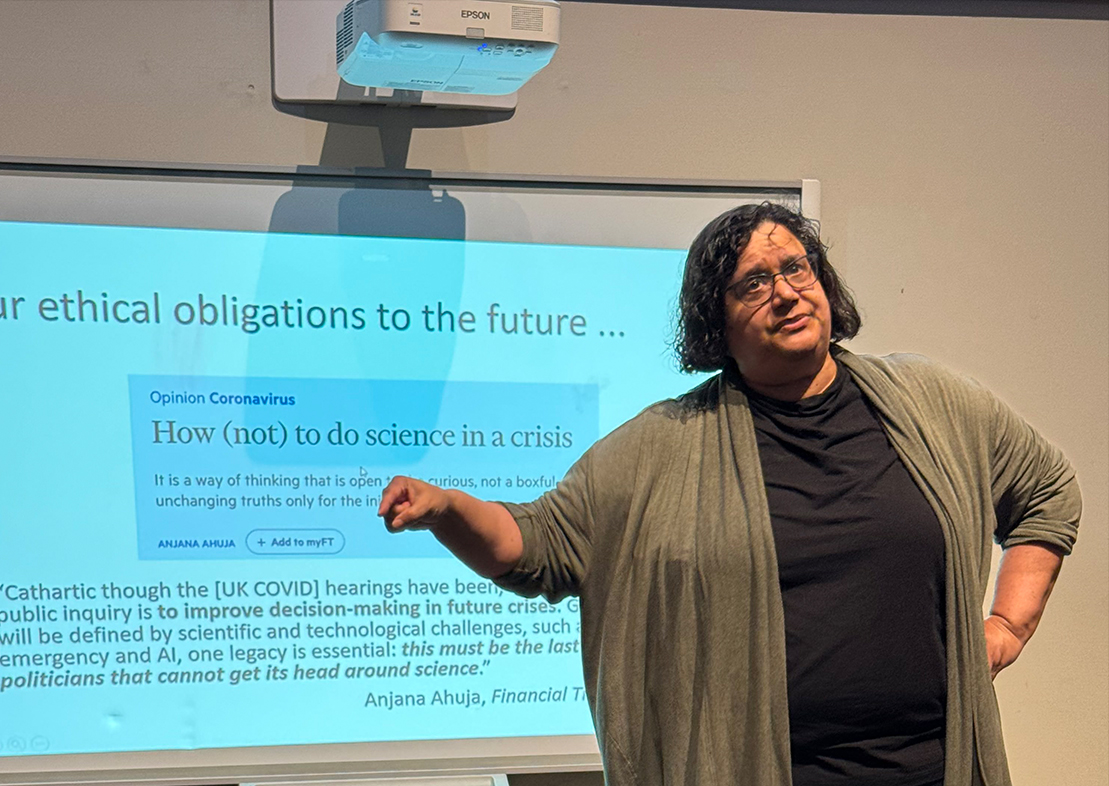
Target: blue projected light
[[198, 427]]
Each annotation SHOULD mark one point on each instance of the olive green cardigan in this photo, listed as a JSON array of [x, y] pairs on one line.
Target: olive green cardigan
[[663, 530]]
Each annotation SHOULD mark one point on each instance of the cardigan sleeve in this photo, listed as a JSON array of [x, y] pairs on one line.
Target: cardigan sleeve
[[558, 528], [557, 535], [1035, 492]]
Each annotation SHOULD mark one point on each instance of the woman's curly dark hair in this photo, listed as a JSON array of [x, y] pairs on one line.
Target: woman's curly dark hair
[[699, 339]]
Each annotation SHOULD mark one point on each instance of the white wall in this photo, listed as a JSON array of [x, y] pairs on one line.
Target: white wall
[[965, 171]]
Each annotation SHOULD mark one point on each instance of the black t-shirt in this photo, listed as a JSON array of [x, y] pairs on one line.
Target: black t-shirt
[[861, 565]]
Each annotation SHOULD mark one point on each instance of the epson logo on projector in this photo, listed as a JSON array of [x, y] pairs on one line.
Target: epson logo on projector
[[466, 14]]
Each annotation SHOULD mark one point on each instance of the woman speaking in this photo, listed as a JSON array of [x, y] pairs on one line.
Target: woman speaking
[[782, 571]]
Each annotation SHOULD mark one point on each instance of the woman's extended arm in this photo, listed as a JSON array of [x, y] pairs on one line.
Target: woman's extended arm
[[481, 534]]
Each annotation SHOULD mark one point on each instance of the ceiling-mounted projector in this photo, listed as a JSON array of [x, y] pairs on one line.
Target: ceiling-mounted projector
[[487, 47]]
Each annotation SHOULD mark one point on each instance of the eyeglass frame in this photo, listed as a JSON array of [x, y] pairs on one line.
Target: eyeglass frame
[[811, 258]]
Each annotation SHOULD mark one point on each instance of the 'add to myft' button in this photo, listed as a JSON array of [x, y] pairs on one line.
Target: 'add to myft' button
[[295, 541]]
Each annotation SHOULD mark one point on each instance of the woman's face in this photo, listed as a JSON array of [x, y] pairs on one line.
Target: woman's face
[[788, 336]]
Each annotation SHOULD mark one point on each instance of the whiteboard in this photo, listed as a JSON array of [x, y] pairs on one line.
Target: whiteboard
[[93, 252]]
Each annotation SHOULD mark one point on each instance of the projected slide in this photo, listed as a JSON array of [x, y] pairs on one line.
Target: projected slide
[[197, 429], [235, 468]]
